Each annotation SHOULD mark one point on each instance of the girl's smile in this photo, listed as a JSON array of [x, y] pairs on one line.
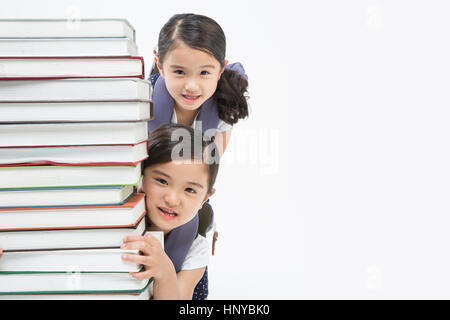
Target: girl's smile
[[167, 213], [190, 98]]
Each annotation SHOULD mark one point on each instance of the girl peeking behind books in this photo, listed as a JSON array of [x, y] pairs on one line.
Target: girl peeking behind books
[[179, 176], [193, 84]]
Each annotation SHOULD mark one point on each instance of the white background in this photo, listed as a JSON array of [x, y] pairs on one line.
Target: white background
[[337, 186]]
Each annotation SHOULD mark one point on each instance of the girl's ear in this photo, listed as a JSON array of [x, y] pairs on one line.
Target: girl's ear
[[140, 187], [223, 68], [208, 195], [160, 68]]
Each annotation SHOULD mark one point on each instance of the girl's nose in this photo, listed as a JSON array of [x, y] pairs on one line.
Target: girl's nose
[[172, 200], [191, 85]]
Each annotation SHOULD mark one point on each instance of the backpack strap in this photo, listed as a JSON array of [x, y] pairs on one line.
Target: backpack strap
[[178, 242]]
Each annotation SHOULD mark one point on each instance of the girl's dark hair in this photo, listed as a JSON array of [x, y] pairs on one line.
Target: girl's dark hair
[[173, 141], [203, 33]]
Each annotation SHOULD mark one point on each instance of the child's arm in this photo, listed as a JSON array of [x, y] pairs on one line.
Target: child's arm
[[222, 139], [183, 284], [187, 280]]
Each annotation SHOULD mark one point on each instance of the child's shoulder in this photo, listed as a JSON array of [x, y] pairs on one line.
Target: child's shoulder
[[153, 78]]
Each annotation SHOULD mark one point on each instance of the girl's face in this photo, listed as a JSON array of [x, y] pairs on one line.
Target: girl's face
[[191, 76], [175, 191]]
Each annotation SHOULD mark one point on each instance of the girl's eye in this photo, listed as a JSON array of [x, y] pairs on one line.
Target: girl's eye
[[179, 72], [204, 73], [190, 190], [162, 181]]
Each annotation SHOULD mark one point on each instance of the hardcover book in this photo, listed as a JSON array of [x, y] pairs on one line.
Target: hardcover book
[[67, 47], [74, 90], [81, 260], [75, 111], [66, 28], [119, 154], [75, 260], [70, 283], [71, 67], [71, 238], [65, 134], [68, 176], [74, 196], [124, 215]]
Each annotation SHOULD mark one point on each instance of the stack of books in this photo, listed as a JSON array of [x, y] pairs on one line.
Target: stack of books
[[74, 107]]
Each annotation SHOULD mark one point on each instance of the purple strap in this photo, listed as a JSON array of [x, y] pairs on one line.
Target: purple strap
[[178, 242]]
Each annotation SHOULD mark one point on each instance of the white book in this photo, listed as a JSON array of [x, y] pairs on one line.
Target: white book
[[75, 111], [74, 90], [68, 176], [84, 260], [124, 215], [66, 28], [67, 47], [143, 295], [70, 283], [75, 196], [70, 67], [125, 154], [64, 134], [68, 238]]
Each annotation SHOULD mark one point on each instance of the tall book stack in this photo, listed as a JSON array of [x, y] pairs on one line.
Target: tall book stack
[[74, 107]]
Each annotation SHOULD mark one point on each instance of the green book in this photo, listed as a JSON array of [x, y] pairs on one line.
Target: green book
[[71, 283]]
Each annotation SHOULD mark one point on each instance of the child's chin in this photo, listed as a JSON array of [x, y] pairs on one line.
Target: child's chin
[[163, 227]]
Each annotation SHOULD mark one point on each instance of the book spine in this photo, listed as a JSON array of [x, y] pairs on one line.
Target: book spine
[[77, 146]]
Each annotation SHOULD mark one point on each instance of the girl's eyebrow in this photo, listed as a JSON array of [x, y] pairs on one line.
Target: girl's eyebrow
[[161, 173], [176, 66], [181, 67], [196, 184]]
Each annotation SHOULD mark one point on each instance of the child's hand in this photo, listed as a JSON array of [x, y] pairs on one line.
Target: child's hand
[[156, 262], [1, 251]]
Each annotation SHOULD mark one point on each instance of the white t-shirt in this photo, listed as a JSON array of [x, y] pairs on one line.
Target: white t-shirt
[[198, 254], [197, 257], [221, 127]]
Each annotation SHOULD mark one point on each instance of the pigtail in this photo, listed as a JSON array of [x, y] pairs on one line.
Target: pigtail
[[231, 97]]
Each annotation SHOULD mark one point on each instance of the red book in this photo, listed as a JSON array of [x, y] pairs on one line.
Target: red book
[[74, 155], [71, 67], [69, 238], [126, 215]]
